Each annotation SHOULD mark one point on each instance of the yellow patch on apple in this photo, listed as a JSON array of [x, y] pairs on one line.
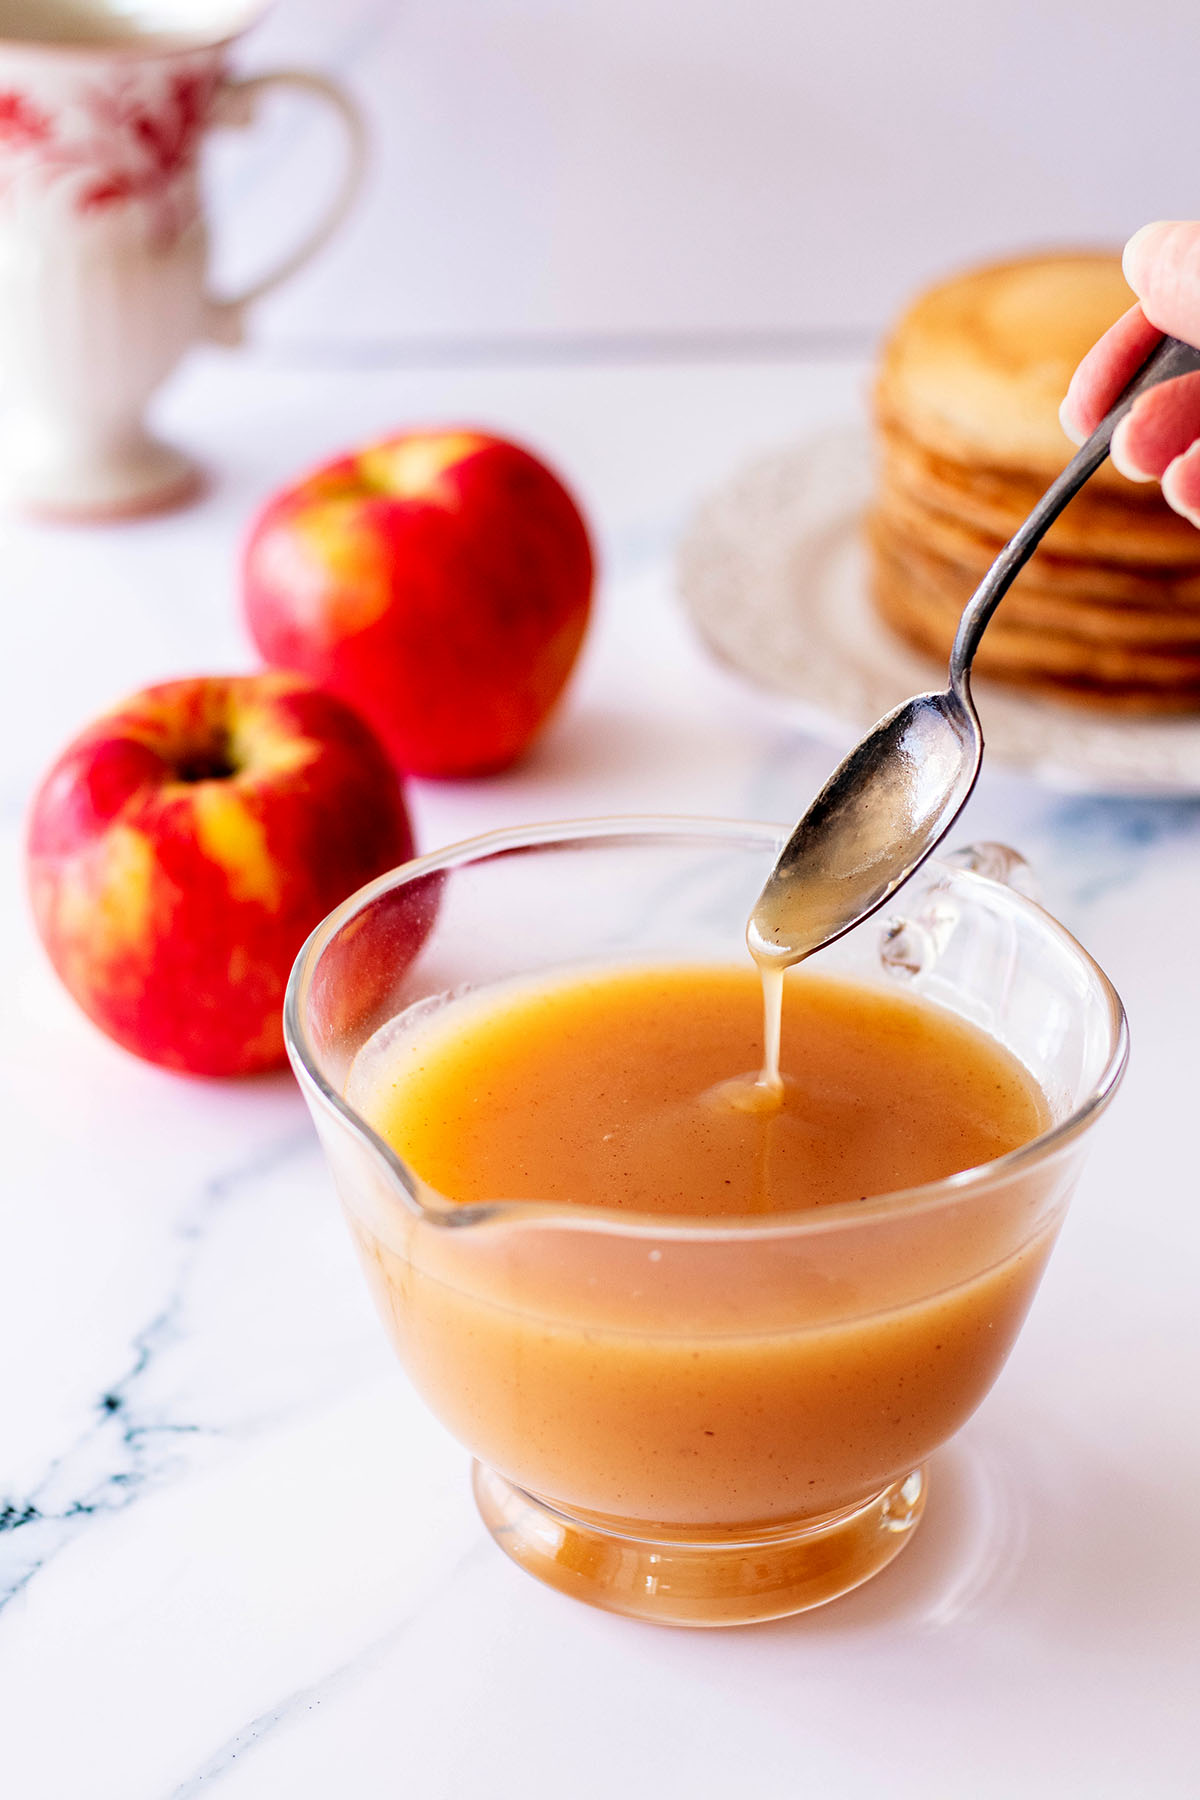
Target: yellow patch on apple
[[269, 754], [103, 906], [411, 468], [332, 540], [228, 834]]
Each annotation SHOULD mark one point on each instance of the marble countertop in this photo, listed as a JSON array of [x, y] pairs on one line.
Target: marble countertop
[[238, 1558]]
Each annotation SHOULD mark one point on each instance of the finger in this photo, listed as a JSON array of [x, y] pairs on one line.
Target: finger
[[1105, 372], [1160, 427], [1181, 485], [1162, 266]]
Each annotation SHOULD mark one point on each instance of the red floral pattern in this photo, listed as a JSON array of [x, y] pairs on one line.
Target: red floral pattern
[[121, 143], [147, 150], [21, 123]]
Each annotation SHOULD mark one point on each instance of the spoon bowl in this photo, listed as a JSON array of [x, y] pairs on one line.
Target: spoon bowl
[[874, 822]]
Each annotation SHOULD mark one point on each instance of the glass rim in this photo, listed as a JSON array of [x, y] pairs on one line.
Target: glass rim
[[435, 1209]]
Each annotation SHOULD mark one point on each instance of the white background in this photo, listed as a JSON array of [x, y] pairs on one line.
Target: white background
[[696, 168]]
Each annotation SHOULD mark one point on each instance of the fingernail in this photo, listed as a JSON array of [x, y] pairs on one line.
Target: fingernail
[[1122, 461], [1173, 475], [1140, 249], [1066, 418]]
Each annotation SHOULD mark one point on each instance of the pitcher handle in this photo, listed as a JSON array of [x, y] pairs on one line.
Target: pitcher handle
[[237, 105], [999, 862]]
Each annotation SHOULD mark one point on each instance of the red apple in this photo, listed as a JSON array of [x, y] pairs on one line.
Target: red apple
[[439, 582], [183, 847]]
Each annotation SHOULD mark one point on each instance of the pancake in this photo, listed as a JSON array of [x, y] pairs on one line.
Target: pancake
[[1033, 604], [1016, 651], [937, 534], [944, 592], [976, 369], [1130, 524]]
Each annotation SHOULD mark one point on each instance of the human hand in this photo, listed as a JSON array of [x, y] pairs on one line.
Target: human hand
[[1159, 438]]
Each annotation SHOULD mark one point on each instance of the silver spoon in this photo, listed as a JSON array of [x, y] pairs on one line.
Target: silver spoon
[[892, 800]]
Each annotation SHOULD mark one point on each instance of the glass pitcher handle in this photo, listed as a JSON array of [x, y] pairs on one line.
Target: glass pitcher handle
[[998, 862]]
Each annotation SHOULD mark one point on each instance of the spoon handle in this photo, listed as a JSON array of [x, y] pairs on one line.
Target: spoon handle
[[1168, 360]]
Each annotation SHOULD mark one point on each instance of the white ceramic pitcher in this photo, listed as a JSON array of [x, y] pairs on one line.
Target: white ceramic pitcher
[[103, 238]]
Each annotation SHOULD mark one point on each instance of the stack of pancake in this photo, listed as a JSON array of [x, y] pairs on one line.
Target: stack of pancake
[[1108, 609]]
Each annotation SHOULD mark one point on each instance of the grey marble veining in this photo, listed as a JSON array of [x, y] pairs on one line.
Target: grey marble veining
[[130, 1443], [291, 1710]]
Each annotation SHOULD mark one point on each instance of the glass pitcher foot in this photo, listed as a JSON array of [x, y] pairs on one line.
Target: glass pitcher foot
[[701, 1578]]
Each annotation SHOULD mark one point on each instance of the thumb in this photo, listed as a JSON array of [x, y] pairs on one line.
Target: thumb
[[1162, 266]]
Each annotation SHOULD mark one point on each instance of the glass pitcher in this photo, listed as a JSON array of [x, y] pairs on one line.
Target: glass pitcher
[[699, 1423]]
